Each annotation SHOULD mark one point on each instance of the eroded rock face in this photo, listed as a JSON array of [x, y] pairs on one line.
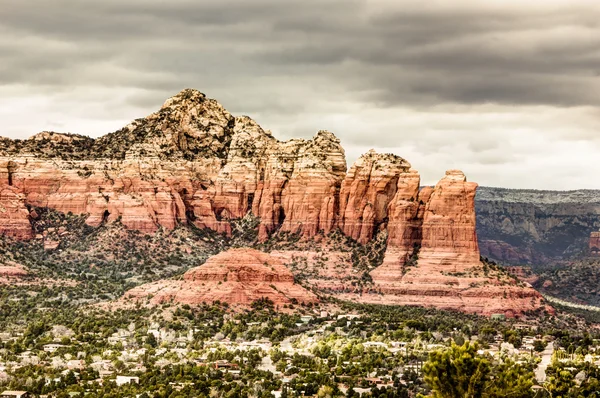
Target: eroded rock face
[[193, 162], [12, 271], [236, 276], [14, 216], [449, 222], [517, 226], [433, 256], [300, 189], [406, 213], [190, 161], [367, 190]]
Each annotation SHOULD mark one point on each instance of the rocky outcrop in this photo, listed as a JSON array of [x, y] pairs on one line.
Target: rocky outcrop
[[437, 223], [189, 162], [433, 256], [449, 223], [237, 277], [10, 272], [405, 226], [367, 190], [14, 216], [466, 295], [193, 162], [594, 244], [300, 189]]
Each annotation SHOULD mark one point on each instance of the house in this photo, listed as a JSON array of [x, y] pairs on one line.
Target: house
[[374, 344], [122, 380], [223, 364], [348, 316], [5, 337], [105, 373], [75, 364], [15, 394], [524, 326], [52, 347]]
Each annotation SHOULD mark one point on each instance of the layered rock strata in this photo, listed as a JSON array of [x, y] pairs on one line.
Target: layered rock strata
[[237, 277], [14, 216], [433, 257], [13, 271], [540, 228], [193, 162], [190, 161], [367, 190]]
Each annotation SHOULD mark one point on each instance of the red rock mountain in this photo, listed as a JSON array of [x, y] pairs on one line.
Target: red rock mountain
[[438, 227], [236, 276], [193, 162]]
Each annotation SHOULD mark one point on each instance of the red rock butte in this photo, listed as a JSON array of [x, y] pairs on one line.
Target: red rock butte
[[193, 162], [235, 276]]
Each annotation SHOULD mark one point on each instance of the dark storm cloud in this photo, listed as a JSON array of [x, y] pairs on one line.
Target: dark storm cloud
[[460, 83], [410, 54]]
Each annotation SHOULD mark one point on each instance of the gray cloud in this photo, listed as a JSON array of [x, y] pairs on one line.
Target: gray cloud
[[492, 87]]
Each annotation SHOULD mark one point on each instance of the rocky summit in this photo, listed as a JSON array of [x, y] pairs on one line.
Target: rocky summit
[[193, 163]]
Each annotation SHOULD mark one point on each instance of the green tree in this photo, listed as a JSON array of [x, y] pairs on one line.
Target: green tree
[[539, 345], [325, 392], [151, 340], [509, 379], [460, 372], [457, 372]]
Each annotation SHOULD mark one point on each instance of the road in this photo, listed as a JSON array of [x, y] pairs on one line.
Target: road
[[540, 371]]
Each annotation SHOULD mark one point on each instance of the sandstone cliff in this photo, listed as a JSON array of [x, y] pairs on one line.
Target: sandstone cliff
[[433, 257], [367, 190], [192, 162]]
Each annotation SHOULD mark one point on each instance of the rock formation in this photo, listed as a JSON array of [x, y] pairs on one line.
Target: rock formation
[[14, 216], [433, 258], [449, 223], [236, 276], [192, 162], [367, 190], [439, 223], [594, 244], [11, 272]]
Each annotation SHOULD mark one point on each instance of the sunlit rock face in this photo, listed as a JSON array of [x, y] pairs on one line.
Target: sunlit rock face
[[433, 258], [192, 162], [366, 193]]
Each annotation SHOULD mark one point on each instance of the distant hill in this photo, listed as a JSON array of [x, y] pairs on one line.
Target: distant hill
[[540, 228]]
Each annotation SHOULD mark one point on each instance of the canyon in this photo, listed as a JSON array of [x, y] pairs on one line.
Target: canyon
[[538, 228], [193, 163]]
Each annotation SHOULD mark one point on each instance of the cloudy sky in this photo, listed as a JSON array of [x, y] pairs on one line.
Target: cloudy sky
[[506, 90]]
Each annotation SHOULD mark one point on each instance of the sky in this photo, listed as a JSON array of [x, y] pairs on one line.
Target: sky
[[507, 91]]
